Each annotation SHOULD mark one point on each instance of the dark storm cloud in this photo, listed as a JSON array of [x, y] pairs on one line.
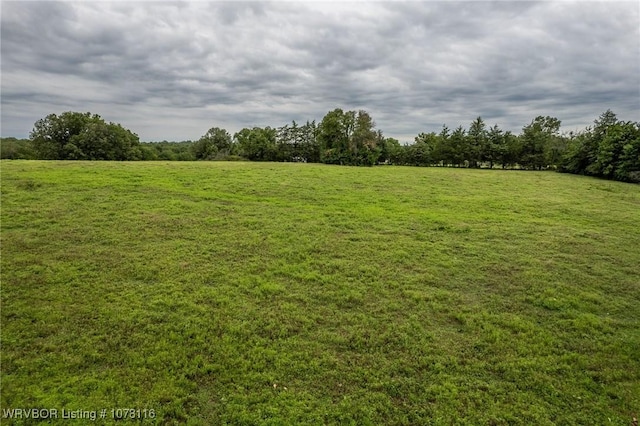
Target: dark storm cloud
[[172, 70]]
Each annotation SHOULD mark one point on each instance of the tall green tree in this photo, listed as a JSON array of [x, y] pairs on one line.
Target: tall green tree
[[442, 153], [609, 149], [421, 152], [310, 147], [83, 136], [576, 157], [512, 152], [459, 146], [477, 140], [364, 140], [581, 155], [284, 143], [494, 147], [601, 158], [333, 137], [629, 162], [612, 159], [392, 152], [348, 138], [536, 136], [257, 144], [215, 143], [555, 150]]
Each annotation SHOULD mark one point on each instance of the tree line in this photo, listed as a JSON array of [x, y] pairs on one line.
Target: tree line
[[610, 148]]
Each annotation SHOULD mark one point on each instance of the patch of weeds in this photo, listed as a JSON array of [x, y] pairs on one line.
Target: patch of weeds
[[28, 185]]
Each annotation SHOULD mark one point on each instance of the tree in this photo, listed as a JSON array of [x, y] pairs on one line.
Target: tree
[[477, 140], [555, 149], [310, 148], [205, 149], [392, 151], [458, 144], [216, 142], [610, 149], [536, 136], [348, 138], [598, 160], [583, 149], [629, 163], [257, 144], [576, 157], [333, 137], [101, 141], [614, 149], [512, 150], [442, 153], [83, 136], [421, 152], [364, 140], [602, 124], [284, 143], [297, 143], [494, 147]]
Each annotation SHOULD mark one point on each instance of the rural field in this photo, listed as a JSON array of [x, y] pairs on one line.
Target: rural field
[[280, 293]]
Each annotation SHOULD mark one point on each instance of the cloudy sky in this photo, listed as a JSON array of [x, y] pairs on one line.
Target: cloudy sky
[[172, 70]]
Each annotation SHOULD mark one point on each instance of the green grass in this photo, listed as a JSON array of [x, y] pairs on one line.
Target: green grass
[[248, 293]]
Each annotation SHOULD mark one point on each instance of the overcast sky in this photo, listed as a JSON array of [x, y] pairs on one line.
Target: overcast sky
[[170, 70]]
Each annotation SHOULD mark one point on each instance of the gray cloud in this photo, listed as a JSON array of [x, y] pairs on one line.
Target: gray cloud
[[172, 70]]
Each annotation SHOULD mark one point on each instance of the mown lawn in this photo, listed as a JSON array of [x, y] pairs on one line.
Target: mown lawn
[[248, 293]]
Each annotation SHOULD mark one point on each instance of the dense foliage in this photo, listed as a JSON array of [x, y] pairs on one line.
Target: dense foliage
[[215, 143], [16, 149], [82, 136], [168, 151], [609, 149]]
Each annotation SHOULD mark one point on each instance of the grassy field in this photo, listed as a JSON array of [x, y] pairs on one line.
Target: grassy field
[[248, 293]]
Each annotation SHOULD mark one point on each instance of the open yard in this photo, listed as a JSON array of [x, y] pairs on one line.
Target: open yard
[[264, 293]]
